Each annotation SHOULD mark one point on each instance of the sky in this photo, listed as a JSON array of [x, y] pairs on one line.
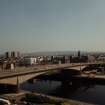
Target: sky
[[52, 25]]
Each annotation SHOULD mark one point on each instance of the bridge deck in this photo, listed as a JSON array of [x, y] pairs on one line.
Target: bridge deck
[[39, 68], [19, 75], [22, 74]]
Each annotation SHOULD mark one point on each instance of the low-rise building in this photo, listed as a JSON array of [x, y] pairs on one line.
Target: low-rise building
[[101, 58], [30, 61]]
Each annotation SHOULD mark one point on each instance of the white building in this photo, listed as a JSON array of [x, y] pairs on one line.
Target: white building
[[30, 61], [101, 58]]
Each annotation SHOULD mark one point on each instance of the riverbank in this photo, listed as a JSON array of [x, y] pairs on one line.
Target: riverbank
[[40, 99]]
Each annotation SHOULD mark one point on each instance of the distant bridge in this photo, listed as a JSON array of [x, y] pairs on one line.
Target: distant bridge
[[22, 74]]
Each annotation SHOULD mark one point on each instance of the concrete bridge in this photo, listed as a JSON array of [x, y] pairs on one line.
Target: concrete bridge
[[22, 74]]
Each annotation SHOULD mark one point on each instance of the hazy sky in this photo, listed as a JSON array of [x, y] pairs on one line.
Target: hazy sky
[[52, 25]]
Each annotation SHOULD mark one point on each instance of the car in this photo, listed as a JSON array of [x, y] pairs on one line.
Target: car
[[4, 101]]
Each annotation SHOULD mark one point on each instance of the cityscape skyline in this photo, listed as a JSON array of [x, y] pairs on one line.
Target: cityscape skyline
[[52, 25]]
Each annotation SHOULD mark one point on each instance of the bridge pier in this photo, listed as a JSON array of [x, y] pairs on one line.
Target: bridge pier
[[103, 71], [17, 85]]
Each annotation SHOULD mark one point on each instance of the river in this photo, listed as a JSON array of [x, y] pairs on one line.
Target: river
[[91, 93]]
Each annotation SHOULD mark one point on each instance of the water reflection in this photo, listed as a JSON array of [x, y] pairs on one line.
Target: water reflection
[[76, 90], [81, 90], [40, 86]]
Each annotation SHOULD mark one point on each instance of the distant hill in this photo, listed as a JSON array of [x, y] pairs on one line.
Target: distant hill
[[50, 53], [54, 53]]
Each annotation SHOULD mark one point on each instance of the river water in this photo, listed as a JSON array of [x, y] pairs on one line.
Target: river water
[[91, 93]]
